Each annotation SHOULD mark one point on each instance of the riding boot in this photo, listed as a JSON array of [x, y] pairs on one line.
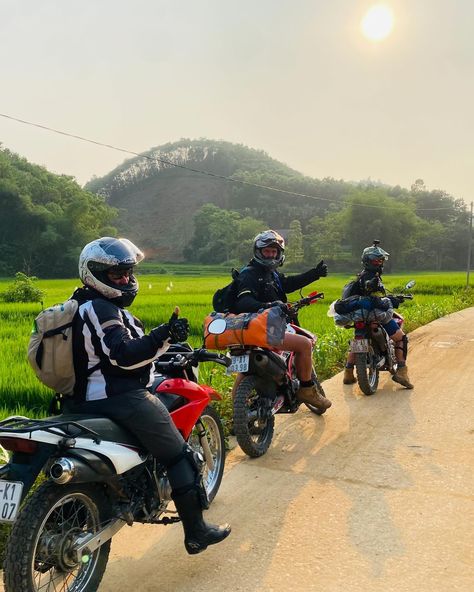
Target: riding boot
[[349, 377], [198, 535], [310, 394], [401, 376]]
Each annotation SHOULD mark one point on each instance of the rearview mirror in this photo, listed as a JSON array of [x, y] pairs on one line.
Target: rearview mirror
[[410, 285], [217, 326]]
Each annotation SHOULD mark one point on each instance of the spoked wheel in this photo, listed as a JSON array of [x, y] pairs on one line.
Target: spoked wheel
[[208, 438], [367, 372], [40, 551], [253, 422], [319, 388]]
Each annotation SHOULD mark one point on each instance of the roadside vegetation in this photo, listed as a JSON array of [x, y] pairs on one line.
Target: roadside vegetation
[[436, 295]]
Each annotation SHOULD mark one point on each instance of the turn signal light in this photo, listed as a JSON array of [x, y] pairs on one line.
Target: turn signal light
[[359, 325]]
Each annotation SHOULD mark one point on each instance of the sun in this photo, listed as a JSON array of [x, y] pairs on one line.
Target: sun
[[377, 24]]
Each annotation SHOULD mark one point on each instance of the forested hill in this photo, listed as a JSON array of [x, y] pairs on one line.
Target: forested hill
[[45, 219], [157, 202], [178, 214]]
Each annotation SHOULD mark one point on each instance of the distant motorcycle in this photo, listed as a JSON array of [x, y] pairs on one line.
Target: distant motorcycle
[[98, 478], [373, 349], [267, 385]]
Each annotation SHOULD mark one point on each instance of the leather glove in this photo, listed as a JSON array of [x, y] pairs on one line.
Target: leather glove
[[396, 300], [321, 269], [178, 328], [160, 333], [284, 307]]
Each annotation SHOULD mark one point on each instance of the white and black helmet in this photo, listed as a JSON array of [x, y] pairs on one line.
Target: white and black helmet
[[110, 254], [269, 238]]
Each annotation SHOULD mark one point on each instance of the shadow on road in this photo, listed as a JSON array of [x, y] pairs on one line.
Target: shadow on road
[[280, 505]]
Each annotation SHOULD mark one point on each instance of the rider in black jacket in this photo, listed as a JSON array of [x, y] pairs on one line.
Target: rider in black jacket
[[259, 286], [113, 361], [368, 281]]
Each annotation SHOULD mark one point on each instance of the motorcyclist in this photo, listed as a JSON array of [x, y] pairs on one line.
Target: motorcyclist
[[260, 285], [369, 281], [113, 360]]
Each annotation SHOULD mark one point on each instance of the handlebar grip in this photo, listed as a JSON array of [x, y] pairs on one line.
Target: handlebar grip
[[203, 355]]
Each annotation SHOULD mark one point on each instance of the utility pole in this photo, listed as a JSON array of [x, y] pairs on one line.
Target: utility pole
[[469, 249]]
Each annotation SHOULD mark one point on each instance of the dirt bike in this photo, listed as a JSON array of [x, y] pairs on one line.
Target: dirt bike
[[98, 478], [373, 349], [267, 386]]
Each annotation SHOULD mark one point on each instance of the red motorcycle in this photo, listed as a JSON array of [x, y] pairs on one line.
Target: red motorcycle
[[98, 479], [267, 384]]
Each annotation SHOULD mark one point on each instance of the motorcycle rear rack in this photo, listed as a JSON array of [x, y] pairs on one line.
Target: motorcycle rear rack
[[23, 425]]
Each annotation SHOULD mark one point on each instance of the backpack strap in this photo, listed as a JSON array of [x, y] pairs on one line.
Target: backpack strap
[[57, 331]]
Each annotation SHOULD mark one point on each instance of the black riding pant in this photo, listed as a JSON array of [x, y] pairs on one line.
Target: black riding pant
[[145, 416]]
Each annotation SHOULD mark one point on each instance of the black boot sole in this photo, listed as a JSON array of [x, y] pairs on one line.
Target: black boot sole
[[195, 547]]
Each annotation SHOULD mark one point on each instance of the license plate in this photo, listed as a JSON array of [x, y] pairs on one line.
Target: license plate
[[239, 364], [10, 497], [359, 346]]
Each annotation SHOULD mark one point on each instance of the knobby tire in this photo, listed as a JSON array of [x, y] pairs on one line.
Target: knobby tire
[[253, 444], [31, 564], [368, 381], [212, 424]]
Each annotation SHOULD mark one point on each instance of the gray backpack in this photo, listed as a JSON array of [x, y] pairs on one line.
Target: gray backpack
[[50, 347]]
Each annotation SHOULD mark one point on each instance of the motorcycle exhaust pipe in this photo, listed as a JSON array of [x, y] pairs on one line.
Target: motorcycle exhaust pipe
[[265, 364], [64, 470]]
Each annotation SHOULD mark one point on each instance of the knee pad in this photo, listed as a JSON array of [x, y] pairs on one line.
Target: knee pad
[[403, 345], [186, 472]]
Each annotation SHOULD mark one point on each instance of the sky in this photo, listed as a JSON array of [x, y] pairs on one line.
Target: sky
[[295, 78]]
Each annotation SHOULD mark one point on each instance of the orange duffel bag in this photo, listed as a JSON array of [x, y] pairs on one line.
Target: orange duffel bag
[[265, 329]]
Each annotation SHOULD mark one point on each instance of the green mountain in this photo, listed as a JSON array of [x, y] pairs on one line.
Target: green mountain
[[156, 201]]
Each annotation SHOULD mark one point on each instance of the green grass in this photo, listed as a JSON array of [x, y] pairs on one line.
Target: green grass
[[435, 295]]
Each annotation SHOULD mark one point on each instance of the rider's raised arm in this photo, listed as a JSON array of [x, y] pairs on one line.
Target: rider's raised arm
[[291, 283]]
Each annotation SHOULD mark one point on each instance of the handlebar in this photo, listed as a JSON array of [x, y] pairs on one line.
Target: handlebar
[[183, 359], [306, 301], [403, 296]]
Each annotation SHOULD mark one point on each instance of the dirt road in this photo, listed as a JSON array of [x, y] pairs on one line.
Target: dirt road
[[375, 496]]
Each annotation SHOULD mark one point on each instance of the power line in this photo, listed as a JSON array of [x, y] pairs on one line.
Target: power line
[[202, 172]]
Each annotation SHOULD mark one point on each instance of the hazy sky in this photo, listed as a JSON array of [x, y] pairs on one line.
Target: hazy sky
[[295, 78]]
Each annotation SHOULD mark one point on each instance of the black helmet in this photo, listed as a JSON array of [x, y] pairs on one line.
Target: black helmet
[[269, 238], [374, 257], [110, 254]]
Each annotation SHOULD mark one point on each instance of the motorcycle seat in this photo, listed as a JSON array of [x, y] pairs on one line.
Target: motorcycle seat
[[103, 426]]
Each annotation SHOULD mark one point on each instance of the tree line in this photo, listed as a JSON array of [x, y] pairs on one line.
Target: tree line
[[421, 229], [45, 219]]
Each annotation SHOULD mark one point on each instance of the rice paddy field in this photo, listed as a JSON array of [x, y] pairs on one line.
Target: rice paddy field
[[436, 295]]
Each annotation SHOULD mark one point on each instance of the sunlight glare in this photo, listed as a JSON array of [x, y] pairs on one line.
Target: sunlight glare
[[377, 23]]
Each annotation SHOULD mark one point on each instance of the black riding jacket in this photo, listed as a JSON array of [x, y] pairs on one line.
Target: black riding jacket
[[112, 354], [257, 286]]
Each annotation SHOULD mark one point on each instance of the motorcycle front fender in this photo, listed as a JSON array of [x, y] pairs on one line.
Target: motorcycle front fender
[[214, 395]]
